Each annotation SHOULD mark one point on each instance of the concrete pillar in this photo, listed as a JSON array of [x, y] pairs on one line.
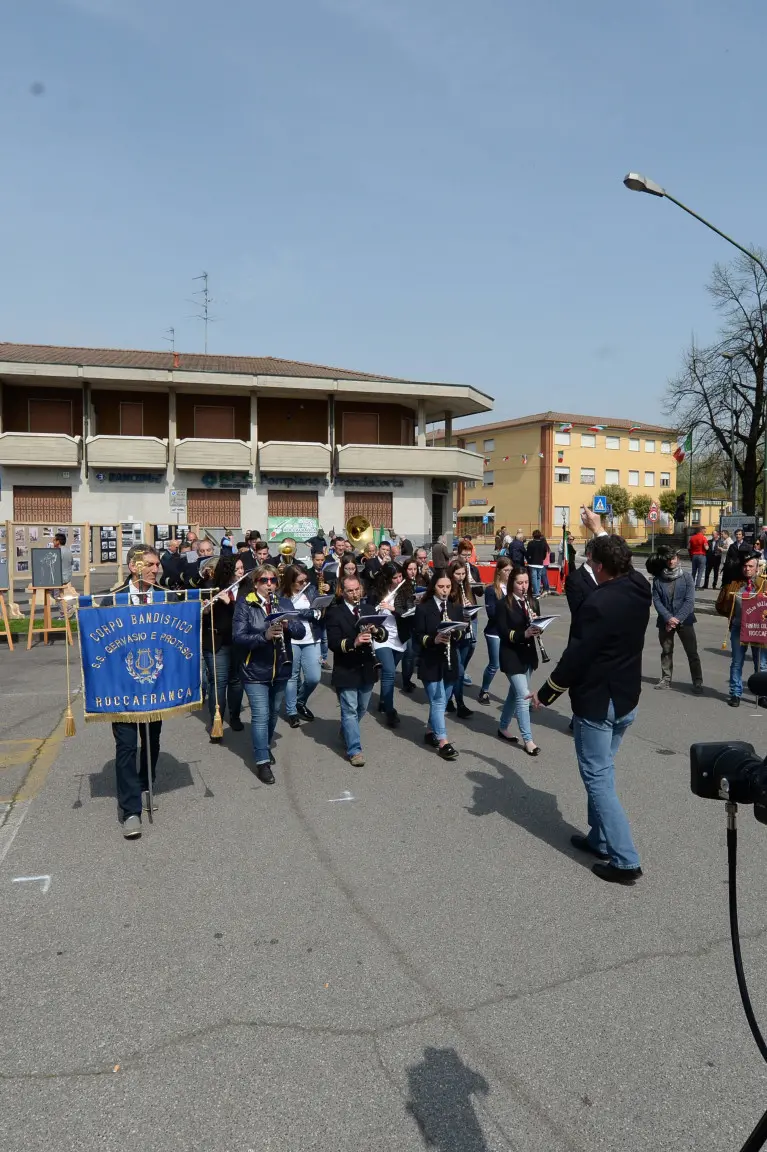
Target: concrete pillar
[[254, 434], [421, 423], [448, 429], [332, 435], [171, 435]]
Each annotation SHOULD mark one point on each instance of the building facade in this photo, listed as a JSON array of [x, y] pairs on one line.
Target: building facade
[[155, 438], [539, 470]]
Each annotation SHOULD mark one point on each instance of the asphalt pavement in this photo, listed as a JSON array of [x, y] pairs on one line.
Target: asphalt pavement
[[402, 956]]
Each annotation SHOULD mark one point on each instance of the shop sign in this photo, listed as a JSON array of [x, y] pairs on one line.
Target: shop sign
[[476, 503], [294, 481], [301, 528], [227, 480], [131, 477], [370, 482]]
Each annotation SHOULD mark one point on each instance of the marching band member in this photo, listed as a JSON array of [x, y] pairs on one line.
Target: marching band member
[[267, 666], [461, 594], [404, 601], [319, 580], [518, 656], [390, 651], [438, 658], [306, 672], [354, 665], [493, 595], [133, 788], [192, 573], [217, 645]]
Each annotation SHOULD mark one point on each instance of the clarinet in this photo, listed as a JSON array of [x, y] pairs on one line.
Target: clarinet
[[449, 644], [274, 603], [545, 658]]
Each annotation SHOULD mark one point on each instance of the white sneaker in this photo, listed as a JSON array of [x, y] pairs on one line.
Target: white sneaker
[[132, 827]]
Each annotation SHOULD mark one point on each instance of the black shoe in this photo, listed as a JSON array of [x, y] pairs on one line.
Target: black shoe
[[582, 844], [697, 689], [294, 722], [271, 758], [304, 712], [264, 773], [762, 701], [408, 686], [236, 724], [734, 701], [463, 712], [448, 752], [483, 698], [450, 706], [392, 718], [616, 875], [430, 739]]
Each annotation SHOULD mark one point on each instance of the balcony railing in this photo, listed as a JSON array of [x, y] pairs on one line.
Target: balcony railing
[[199, 454], [294, 456], [409, 460], [126, 452], [40, 449]]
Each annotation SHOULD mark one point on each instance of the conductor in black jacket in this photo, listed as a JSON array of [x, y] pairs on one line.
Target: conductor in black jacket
[[580, 583], [354, 664], [602, 670]]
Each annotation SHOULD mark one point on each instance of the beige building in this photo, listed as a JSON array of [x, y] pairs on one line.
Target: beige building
[[538, 470]]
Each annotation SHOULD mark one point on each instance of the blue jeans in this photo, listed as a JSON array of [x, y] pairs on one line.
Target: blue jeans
[[228, 683], [437, 696], [493, 659], [408, 662], [536, 576], [388, 658], [596, 743], [698, 570], [739, 659], [518, 705], [265, 702], [306, 668], [354, 704], [465, 650], [324, 650]]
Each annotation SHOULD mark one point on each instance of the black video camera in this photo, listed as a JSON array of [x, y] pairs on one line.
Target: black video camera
[[731, 770]]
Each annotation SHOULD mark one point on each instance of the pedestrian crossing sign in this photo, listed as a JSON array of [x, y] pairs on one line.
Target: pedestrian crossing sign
[[600, 505]]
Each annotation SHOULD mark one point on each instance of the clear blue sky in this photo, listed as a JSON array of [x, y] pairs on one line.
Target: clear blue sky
[[425, 188]]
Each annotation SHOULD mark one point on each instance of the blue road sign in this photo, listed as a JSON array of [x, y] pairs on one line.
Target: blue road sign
[[600, 505], [485, 519]]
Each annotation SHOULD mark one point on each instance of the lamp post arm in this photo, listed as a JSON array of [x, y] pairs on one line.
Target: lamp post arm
[[718, 231]]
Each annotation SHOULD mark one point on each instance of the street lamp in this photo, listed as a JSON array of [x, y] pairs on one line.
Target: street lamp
[[730, 356]]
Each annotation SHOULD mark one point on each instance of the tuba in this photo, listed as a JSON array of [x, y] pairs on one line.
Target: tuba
[[359, 531], [287, 551]]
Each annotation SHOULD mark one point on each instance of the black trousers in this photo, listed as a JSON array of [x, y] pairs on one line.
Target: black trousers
[[130, 783], [712, 565]]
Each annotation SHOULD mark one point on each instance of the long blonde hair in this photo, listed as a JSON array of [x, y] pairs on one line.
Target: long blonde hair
[[502, 565]]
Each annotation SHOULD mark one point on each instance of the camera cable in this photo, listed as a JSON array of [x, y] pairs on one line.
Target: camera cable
[[732, 875]]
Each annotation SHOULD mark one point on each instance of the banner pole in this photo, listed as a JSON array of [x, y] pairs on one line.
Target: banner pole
[[150, 789]]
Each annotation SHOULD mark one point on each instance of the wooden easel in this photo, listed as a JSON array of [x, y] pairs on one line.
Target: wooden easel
[[48, 625], [6, 628]]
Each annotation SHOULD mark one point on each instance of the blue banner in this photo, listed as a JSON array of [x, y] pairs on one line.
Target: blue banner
[[140, 662]]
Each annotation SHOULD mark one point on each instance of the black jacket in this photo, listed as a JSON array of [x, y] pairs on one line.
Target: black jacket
[[222, 617], [432, 657], [170, 576], [733, 561], [517, 553], [353, 667], [518, 653], [603, 663], [491, 603], [537, 552], [403, 602], [578, 587], [263, 662]]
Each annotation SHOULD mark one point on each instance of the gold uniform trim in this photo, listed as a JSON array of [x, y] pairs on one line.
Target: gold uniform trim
[[554, 686]]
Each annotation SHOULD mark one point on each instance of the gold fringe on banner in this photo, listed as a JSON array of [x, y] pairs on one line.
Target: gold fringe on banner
[[217, 727], [139, 717]]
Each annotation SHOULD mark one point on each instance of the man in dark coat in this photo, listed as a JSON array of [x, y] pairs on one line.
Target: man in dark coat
[[602, 670], [354, 665]]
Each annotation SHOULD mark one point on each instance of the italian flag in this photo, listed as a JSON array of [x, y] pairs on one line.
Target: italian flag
[[683, 446]]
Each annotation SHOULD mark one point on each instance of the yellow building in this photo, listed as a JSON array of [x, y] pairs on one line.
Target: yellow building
[[538, 470]]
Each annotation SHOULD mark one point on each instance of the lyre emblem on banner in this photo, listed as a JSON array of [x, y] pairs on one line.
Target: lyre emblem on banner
[[144, 666]]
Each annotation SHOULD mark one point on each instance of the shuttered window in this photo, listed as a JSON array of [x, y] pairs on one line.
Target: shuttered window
[[359, 428], [132, 419], [214, 508], [374, 506], [214, 423], [50, 416], [293, 503], [42, 505]]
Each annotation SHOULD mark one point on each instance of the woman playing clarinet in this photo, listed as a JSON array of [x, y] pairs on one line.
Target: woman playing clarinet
[[518, 656], [438, 656], [461, 593]]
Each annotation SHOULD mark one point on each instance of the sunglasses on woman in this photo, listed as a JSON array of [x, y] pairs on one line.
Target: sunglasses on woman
[[267, 580]]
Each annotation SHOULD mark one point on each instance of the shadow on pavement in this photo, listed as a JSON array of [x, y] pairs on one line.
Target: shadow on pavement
[[531, 808], [172, 775], [440, 1101]]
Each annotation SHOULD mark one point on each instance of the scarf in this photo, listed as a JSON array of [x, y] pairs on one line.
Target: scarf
[[672, 573]]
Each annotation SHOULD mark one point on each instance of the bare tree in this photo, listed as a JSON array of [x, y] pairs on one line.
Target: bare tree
[[701, 397]]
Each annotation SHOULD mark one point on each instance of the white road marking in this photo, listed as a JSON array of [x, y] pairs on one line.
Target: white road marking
[[45, 881], [341, 799], [10, 826]]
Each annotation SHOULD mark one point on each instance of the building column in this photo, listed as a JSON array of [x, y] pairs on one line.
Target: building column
[[171, 435], [421, 424], [254, 435], [1, 409], [332, 435], [448, 429]]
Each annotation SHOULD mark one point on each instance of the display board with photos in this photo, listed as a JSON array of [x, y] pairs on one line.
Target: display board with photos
[[29, 537], [107, 543], [163, 532], [3, 574]]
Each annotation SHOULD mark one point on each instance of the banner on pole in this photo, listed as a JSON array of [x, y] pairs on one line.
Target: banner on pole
[[140, 662], [753, 620]]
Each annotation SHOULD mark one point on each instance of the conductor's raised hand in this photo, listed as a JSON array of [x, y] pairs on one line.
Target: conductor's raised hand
[[591, 520]]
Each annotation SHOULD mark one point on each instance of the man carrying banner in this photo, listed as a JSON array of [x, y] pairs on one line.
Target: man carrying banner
[[137, 665]]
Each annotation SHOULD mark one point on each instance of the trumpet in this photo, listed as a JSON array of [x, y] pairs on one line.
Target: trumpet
[[274, 604]]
